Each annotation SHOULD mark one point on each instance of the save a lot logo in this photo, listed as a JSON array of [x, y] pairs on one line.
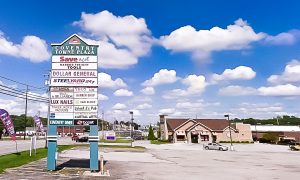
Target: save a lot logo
[[73, 59]]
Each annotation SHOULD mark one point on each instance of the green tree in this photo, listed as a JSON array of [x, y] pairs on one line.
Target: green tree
[[151, 134], [270, 137]]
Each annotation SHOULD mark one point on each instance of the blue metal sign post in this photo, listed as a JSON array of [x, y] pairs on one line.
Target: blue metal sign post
[[94, 138], [73, 94], [52, 145]]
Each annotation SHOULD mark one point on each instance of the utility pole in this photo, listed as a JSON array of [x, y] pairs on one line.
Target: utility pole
[[231, 146], [102, 126], [25, 120], [131, 132]]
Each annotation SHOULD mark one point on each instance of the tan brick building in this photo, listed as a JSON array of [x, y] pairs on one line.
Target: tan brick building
[[202, 130]]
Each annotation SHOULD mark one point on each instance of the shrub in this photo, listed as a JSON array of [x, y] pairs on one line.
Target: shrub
[[151, 135]]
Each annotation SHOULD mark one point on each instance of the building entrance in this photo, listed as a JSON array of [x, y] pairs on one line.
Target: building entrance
[[194, 138]]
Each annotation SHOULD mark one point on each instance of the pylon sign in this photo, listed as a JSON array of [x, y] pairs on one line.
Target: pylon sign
[[73, 94], [74, 83]]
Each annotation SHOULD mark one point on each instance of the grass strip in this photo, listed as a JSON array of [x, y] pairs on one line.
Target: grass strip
[[159, 142], [21, 158], [116, 141], [121, 146]]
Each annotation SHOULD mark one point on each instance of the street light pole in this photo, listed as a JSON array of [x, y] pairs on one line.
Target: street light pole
[[231, 146], [131, 132]]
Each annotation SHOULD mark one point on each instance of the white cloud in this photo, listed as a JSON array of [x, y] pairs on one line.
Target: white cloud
[[144, 106], [167, 111], [280, 90], [237, 91], [201, 43], [291, 73], [189, 105], [111, 57], [32, 48], [122, 39], [238, 73], [119, 106], [196, 85], [16, 105], [102, 97], [258, 110], [135, 112], [123, 92], [148, 91], [105, 81], [164, 76], [285, 38], [140, 99]]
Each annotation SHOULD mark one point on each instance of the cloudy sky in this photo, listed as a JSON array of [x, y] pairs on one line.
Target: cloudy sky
[[181, 58]]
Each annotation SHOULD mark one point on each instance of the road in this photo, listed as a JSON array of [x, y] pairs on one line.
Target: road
[[7, 147]]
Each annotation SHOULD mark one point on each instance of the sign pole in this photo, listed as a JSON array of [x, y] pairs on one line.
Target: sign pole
[[52, 145]]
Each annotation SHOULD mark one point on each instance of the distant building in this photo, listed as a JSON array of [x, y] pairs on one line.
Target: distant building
[[283, 132], [202, 130], [70, 130]]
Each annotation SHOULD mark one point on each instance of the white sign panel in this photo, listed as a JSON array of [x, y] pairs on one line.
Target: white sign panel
[[74, 73], [74, 82], [74, 66], [61, 95], [61, 109], [62, 89], [74, 59], [85, 95], [86, 102], [61, 101], [85, 108], [54, 115], [85, 89], [85, 115]]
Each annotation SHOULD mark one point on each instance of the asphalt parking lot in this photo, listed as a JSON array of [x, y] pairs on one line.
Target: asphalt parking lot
[[190, 161]]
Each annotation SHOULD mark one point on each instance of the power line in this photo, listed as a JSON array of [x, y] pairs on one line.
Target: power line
[[36, 100], [22, 93], [22, 96], [41, 88], [11, 90]]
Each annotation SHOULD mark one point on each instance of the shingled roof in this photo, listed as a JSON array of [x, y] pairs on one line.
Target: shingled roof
[[214, 124], [174, 123]]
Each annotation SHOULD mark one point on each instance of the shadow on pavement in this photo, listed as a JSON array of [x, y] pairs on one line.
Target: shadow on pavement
[[76, 163]]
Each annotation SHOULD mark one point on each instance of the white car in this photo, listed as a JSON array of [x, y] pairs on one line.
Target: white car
[[215, 146]]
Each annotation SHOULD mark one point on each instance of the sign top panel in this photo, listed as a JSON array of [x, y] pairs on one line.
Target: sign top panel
[[74, 45]]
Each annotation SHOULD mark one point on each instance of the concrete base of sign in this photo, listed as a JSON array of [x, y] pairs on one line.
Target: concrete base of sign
[[96, 174]]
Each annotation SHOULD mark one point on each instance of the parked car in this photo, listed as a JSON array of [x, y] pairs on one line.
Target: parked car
[[75, 137], [215, 146], [138, 137], [83, 139], [295, 147], [286, 142]]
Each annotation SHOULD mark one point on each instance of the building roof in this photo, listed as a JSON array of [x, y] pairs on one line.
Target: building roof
[[174, 123], [274, 128], [214, 124]]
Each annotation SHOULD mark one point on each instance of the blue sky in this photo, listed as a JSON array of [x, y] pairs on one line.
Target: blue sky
[[181, 58]]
